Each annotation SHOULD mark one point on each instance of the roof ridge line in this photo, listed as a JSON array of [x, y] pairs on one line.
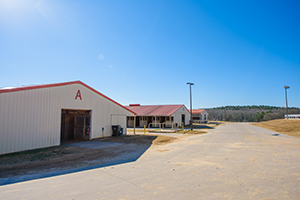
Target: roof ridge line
[[62, 84]]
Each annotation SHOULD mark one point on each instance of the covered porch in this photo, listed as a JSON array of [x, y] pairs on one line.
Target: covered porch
[[150, 121]]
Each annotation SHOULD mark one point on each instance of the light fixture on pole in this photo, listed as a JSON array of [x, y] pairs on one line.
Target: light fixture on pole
[[191, 109], [286, 102]]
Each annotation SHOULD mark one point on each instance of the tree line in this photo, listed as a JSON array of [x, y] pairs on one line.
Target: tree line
[[247, 113]]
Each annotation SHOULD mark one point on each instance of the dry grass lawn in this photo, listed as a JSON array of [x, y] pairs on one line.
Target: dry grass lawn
[[137, 130], [285, 126]]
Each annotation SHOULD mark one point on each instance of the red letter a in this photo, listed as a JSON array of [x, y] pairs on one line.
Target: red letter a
[[78, 95]]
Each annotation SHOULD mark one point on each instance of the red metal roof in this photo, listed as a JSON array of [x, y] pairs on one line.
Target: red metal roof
[[15, 89], [154, 110], [197, 111]]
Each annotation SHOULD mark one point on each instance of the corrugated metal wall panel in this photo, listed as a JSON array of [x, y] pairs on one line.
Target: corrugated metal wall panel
[[10, 125], [3, 119], [3, 114]]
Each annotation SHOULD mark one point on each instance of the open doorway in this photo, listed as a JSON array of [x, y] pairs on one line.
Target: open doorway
[[75, 125], [183, 119]]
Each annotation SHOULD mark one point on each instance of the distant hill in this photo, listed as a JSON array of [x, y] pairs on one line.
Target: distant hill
[[260, 107], [248, 113]]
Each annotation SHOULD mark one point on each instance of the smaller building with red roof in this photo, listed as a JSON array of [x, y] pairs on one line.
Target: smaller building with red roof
[[200, 116], [163, 116]]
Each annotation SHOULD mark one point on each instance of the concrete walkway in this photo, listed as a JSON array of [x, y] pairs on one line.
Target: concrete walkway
[[234, 161]]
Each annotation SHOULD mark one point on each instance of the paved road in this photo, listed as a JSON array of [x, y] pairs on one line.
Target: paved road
[[234, 161]]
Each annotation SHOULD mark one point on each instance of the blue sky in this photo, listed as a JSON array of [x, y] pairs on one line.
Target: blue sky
[[235, 52]]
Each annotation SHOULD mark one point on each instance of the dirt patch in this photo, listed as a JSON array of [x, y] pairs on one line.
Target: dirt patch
[[163, 140], [68, 157], [163, 150], [49, 159], [141, 139], [193, 132], [285, 126], [144, 139]]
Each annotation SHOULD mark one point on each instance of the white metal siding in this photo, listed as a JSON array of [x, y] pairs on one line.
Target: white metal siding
[[177, 115], [31, 119], [204, 116]]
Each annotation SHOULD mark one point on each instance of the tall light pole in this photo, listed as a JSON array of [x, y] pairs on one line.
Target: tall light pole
[[191, 109], [286, 102]]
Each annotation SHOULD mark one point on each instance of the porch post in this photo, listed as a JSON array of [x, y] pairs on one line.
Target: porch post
[[134, 125]]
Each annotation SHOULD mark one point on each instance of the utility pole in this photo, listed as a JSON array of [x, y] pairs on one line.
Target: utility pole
[[286, 102], [191, 109]]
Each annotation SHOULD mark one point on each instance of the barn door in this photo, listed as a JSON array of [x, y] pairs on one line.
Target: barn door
[[75, 124], [82, 126]]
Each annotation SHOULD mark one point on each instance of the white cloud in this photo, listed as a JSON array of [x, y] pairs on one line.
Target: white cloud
[[101, 57]]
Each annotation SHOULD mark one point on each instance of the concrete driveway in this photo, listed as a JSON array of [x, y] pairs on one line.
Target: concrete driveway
[[234, 161]]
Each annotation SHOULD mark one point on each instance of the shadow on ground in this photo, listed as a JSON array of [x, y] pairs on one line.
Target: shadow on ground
[[72, 158], [276, 134], [202, 126]]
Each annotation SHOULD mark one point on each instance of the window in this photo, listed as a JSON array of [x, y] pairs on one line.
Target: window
[[131, 118], [157, 118]]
